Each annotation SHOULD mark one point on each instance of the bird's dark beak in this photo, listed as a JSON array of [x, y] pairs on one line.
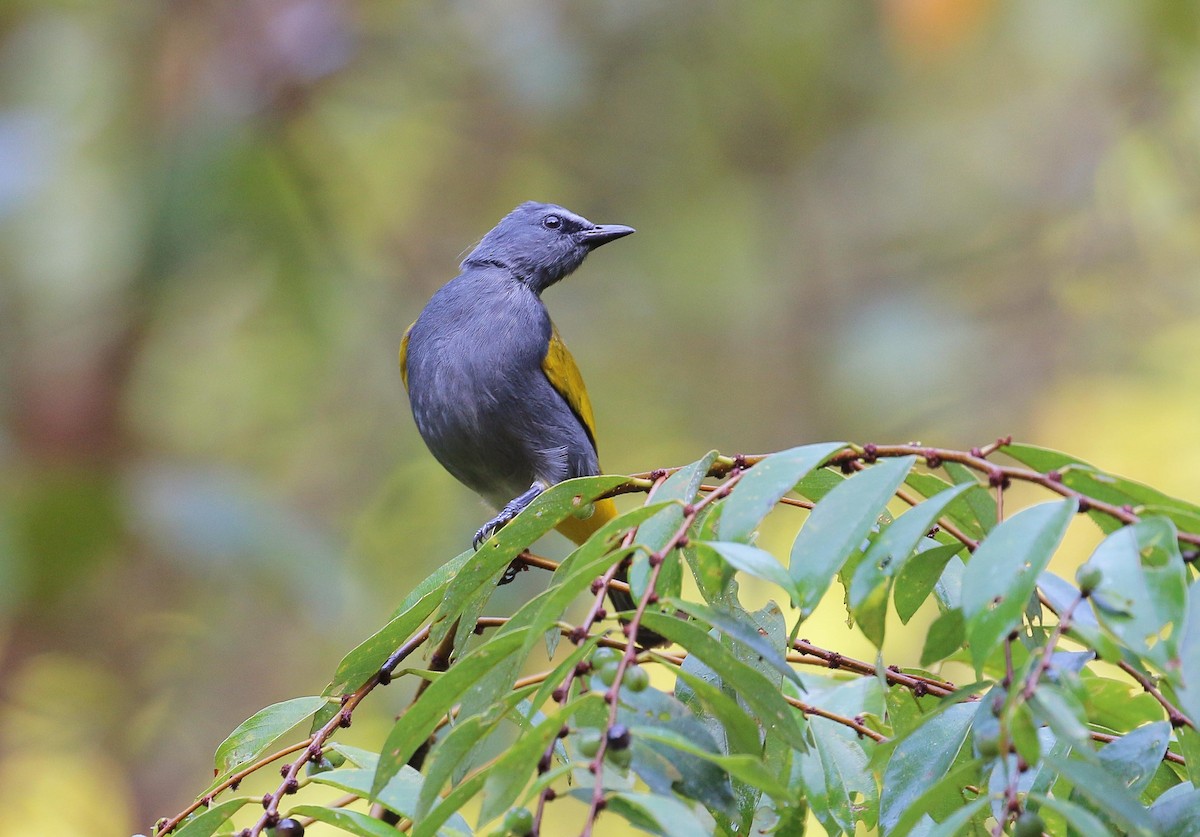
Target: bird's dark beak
[[604, 233]]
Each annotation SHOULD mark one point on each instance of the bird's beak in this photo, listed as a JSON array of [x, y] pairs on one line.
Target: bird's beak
[[604, 233]]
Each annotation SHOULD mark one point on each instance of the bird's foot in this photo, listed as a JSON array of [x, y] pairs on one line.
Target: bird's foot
[[511, 509], [487, 530]]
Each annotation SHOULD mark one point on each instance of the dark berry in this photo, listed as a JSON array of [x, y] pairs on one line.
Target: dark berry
[[619, 737]]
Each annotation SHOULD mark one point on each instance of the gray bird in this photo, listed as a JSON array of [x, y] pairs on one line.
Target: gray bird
[[495, 394]]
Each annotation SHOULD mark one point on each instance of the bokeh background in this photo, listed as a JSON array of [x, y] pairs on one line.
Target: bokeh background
[[943, 220]]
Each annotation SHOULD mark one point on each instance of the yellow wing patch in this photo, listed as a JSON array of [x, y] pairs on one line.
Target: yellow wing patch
[[565, 377], [404, 356]]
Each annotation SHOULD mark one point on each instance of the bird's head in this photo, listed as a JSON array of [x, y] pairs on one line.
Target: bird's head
[[541, 243]]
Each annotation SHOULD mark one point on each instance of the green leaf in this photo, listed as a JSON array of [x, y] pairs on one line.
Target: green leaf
[[838, 524], [1002, 574], [918, 577], [816, 484], [666, 768], [846, 774], [1118, 705], [400, 794], [1134, 758], [920, 760], [253, 736], [512, 770], [981, 503], [548, 509], [955, 824], [740, 731], [448, 809], [747, 768], [1041, 459], [1184, 520], [742, 766], [762, 696], [371, 653], [1062, 714], [1105, 794], [352, 822], [1187, 679], [559, 672], [663, 815], [1024, 733], [1142, 597], [1061, 594], [681, 488], [896, 545], [871, 615], [357, 756], [944, 637], [543, 612], [849, 786], [210, 821], [762, 486], [959, 512], [1090, 480], [745, 632], [415, 725], [1174, 813], [575, 574], [714, 577], [898, 548], [948, 588], [1045, 776], [1079, 819], [939, 799], [450, 751], [753, 561], [809, 774]]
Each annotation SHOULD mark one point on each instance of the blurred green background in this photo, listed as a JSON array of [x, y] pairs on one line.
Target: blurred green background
[[943, 220]]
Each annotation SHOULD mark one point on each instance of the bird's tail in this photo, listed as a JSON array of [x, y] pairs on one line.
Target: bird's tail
[[579, 530]]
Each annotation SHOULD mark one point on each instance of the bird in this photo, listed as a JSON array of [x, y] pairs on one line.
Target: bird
[[495, 394]]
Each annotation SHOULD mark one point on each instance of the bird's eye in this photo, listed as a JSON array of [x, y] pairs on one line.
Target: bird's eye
[[552, 222]]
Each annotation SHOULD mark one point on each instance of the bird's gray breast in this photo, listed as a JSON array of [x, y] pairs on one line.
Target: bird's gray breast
[[480, 398]]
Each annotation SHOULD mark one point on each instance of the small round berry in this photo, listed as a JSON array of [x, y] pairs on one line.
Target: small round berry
[[588, 742], [608, 672], [519, 821], [636, 679], [988, 745], [619, 737], [1088, 577], [289, 828], [604, 654], [1029, 824], [620, 758]]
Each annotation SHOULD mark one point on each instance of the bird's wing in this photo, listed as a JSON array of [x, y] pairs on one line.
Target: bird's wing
[[404, 356], [566, 379]]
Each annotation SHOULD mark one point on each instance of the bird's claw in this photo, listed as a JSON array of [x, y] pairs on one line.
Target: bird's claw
[[486, 531], [493, 526], [511, 510]]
